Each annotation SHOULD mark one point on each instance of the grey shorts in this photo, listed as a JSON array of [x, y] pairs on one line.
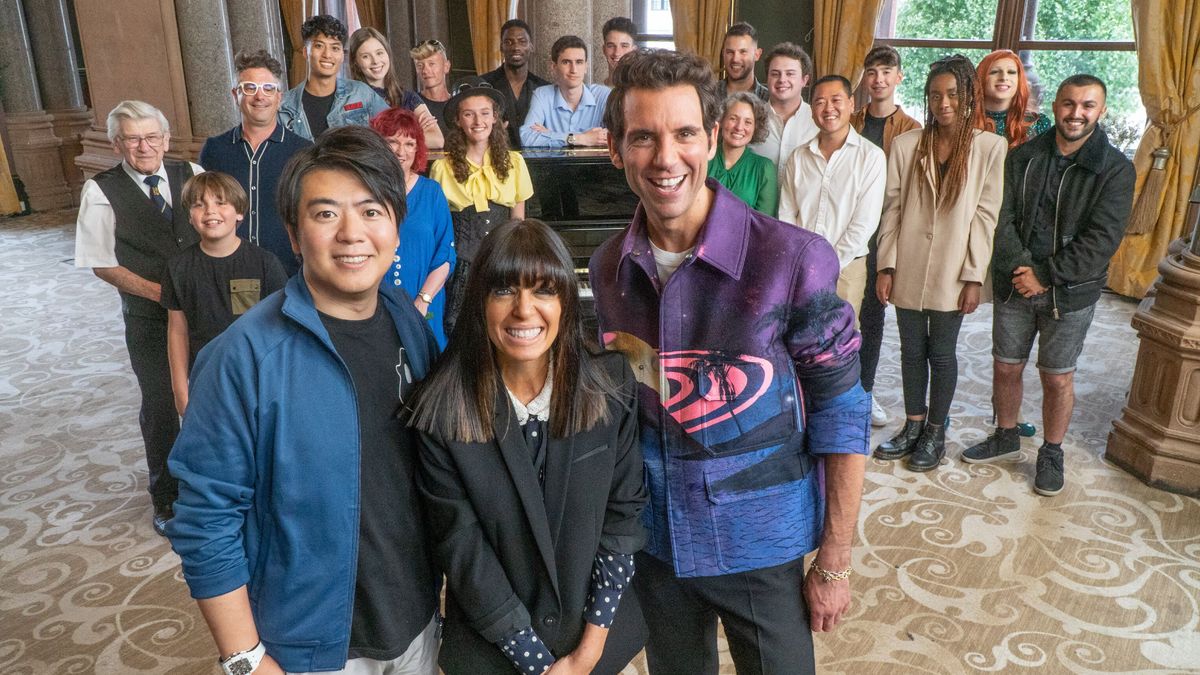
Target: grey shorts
[[1016, 322]]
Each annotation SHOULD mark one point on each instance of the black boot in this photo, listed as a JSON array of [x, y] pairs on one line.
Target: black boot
[[929, 450], [902, 443]]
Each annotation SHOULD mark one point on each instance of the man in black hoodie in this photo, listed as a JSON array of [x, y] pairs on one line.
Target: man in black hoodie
[[1067, 198]]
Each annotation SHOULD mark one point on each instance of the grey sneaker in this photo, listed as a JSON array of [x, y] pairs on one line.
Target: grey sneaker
[[1049, 479], [879, 416], [1002, 444]]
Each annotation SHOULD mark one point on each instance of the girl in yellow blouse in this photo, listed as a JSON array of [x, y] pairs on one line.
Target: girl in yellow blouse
[[485, 183]]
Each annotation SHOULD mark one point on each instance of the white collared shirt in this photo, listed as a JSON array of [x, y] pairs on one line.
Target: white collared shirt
[[840, 199], [783, 138], [540, 405], [96, 224]]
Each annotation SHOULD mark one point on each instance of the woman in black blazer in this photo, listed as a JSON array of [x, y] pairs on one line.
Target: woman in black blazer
[[531, 472]]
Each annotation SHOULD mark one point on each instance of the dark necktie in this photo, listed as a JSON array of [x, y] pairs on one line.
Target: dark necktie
[[157, 198]]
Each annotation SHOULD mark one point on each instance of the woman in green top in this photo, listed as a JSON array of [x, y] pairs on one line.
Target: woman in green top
[[751, 177], [1006, 98]]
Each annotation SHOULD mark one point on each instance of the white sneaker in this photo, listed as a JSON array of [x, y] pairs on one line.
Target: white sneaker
[[879, 416]]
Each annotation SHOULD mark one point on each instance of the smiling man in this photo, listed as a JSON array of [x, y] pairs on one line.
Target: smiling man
[[324, 100], [513, 78], [748, 363], [833, 185], [131, 220], [789, 118], [739, 54], [1067, 198], [570, 112], [255, 152], [311, 383]]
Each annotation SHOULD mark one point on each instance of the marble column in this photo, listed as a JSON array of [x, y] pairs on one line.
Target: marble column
[[58, 80], [257, 25], [205, 46], [35, 148], [552, 19]]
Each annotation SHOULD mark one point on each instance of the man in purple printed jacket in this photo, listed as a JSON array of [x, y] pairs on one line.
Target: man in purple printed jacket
[[754, 426]]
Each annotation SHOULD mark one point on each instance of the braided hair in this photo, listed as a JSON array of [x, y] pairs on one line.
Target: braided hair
[[949, 184]]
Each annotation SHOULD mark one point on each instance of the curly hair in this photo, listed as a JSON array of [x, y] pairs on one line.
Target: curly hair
[[1017, 121], [391, 85], [456, 145], [258, 59], [950, 185], [324, 24], [757, 107], [404, 122]]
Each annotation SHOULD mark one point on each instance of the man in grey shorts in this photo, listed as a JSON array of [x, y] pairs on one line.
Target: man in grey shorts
[[1067, 198]]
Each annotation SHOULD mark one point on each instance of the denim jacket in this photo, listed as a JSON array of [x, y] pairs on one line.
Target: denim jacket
[[748, 366], [353, 103]]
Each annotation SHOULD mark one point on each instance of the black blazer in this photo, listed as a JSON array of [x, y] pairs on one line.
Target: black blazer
[[514, 559]]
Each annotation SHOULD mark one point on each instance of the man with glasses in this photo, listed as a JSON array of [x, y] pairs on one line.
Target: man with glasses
[[433, 72], [324, 100], [255, 151], [131, 219], [513, 78]]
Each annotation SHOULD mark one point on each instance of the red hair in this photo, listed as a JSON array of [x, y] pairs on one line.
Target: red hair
[[403, 122], [1016, 123]]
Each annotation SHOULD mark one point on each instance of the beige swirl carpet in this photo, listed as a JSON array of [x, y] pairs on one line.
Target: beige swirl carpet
[[963, 570]]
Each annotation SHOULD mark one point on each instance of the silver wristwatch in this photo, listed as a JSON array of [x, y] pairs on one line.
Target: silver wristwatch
[[570, 140], [244, 663], [425, 297]]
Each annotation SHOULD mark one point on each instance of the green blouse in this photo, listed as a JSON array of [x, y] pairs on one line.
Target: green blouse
[[753, 179], [1041, 123]]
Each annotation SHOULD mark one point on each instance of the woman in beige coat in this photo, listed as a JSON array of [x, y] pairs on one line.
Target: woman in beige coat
[[944, 187]]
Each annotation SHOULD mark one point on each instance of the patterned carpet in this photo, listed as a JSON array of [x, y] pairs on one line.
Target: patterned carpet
[[960, 570]]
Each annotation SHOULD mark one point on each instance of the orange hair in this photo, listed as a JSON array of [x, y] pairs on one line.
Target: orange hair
[[1016, 123]]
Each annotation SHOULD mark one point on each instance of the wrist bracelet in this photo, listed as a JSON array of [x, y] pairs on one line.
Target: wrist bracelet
[[826, 575]]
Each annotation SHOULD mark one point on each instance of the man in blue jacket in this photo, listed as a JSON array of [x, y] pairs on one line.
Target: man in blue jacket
[[298, 522], [324, 100]]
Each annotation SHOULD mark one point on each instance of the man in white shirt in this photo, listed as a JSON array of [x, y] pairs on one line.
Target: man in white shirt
[[131, 219], [834, 184], [789, 118]]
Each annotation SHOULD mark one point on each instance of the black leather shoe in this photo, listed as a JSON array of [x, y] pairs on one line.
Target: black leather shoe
[[160, 521], [930, 449], [902, 443]]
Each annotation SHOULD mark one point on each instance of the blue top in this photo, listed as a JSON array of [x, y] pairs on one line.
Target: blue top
[[258, 171], [426, 243], [747, 362], [354, 102], [549, 109], [272, 406]]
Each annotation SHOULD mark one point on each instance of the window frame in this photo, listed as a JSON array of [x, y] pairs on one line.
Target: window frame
[[640, 9]]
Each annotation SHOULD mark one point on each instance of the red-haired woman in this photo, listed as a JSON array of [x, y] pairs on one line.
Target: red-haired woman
[[425, 257], [1005, 92]]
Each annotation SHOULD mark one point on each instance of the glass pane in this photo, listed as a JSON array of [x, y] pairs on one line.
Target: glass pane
[[657, 20], [1126, 118], [1078, 20], [914, 61], [659, 44], [937, 19]]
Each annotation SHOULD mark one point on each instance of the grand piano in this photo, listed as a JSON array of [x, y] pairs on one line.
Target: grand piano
[[583, 197]]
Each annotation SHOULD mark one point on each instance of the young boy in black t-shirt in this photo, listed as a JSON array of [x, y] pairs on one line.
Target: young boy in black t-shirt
[[210, 284]]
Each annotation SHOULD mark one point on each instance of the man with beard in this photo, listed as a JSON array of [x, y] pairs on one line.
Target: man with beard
[[739, 53], [1067, 198], [513, 78]]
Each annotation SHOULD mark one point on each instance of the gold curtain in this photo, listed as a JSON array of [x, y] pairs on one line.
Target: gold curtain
[[1168, 47], [292, 12], [844, 32], [371, 13], [700, 27], [8, 192], [486, 17]]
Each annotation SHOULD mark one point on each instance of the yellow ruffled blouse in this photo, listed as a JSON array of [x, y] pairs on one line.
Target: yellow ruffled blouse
[[482, 185]]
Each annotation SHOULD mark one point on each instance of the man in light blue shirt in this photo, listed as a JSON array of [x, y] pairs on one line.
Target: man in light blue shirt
[[570, 112]]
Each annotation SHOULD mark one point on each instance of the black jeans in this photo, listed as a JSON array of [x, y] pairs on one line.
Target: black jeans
[[763, 613], [928, 361], [870, 323], [146, 340]]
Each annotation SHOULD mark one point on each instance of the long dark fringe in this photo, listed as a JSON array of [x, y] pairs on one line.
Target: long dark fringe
[[456, 149], [457, 401], [950, 186]]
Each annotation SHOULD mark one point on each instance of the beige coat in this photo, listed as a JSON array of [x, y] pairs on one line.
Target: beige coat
[[935, 252]]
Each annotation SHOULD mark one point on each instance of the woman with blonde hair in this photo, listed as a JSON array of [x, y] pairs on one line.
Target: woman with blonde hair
[[945, 184]]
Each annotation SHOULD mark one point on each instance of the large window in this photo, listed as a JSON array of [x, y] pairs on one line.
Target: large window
[[1054, 38], [653, 19]]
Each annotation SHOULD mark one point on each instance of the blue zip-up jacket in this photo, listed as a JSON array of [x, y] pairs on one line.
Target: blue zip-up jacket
[[268, 469], [354, 102]]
